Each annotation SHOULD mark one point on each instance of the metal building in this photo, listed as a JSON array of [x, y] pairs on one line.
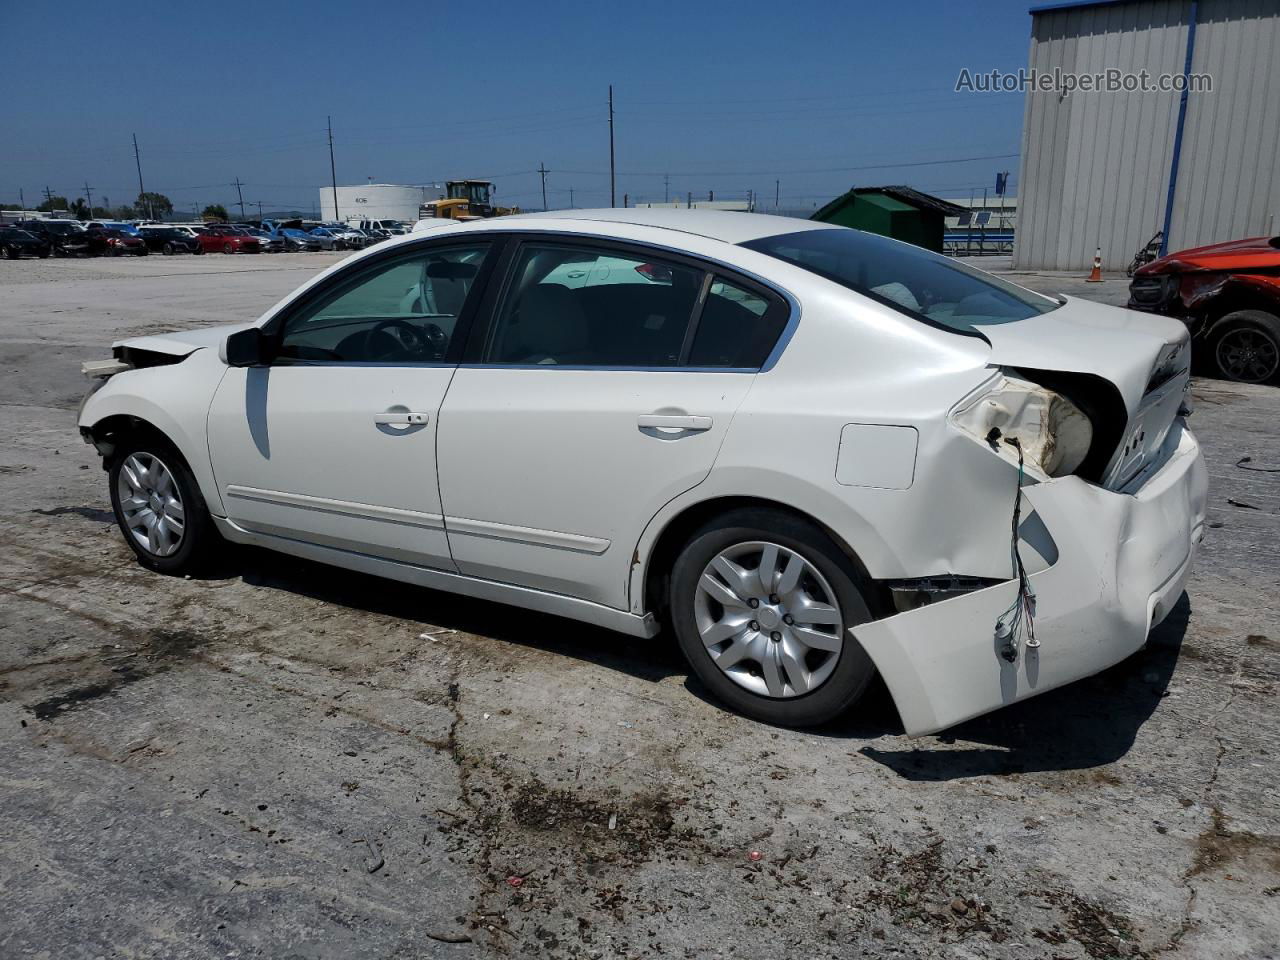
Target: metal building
[[377, 201], [1111, 169]]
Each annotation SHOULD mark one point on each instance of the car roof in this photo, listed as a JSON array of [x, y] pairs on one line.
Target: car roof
[[726, 225]]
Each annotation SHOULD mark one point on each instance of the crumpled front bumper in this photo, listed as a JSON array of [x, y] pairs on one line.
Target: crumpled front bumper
[[1122, 561]]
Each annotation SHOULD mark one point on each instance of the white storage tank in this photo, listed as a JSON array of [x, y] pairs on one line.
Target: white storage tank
[[376, 201]]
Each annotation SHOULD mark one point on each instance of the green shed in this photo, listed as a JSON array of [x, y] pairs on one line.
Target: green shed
[[898, 212]]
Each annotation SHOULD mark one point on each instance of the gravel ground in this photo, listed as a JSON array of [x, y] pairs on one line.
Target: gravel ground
[[283, 760]]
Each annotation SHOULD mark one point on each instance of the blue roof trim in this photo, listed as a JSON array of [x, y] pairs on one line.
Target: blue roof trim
[[1075, 4]]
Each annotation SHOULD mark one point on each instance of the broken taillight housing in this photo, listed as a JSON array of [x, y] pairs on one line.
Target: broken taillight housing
[[1051, 431]]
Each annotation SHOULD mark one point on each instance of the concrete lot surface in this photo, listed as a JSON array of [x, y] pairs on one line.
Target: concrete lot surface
[[283, 760]]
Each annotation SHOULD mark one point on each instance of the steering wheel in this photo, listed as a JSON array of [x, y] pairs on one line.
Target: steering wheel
[[405, 340]]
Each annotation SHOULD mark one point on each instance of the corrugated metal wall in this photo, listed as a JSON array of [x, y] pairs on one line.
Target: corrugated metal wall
[[1095, 166], [1229, 181]]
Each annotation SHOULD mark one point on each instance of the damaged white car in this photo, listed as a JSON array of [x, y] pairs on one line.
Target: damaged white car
[[814, 453]]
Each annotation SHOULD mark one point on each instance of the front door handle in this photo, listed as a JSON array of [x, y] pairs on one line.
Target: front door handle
[[664, 421], [401, 418]]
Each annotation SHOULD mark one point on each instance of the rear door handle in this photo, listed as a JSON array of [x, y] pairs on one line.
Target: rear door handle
[[401, 418], [663, 421]]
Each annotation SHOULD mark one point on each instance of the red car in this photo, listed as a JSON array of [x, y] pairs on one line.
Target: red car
[[228, 238], [115, 243], [1228, 294]]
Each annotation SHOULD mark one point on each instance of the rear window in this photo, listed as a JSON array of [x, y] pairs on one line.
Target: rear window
[[924, 285]]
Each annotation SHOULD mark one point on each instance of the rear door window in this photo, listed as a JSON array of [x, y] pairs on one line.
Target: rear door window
[[737, 327], [569, 305]]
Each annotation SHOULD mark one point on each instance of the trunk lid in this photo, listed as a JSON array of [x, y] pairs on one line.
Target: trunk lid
[[1146, 357]]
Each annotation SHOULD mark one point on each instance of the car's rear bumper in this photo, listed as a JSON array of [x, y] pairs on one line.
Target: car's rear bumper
[[1122, 561]]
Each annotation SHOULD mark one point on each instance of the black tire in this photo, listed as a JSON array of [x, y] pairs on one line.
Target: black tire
[[200, 539], [854, 669], [199, 249], [11, 253], [44, 253], [228, 248], [1245, 346], [167, 249]]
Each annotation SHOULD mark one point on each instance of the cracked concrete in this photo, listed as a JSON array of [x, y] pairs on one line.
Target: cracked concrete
[[209, 767]]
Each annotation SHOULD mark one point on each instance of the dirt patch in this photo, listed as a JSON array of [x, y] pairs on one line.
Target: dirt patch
[[161, 651], [920, 888], [1258, 640], [1101, 933], [629, 829], [1217, 846]]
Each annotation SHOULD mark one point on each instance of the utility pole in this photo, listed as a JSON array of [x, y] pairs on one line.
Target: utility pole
[[613, 202], [542, 169], [238, 185], [571, 198], [333, 172], [777, 193], [22, 199], [48, 196], [688, 201], [666, 188], [88, 195], [137, 159], [260, 210]]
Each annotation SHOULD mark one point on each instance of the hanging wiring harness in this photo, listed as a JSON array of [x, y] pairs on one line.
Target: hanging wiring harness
[[1016, 627]]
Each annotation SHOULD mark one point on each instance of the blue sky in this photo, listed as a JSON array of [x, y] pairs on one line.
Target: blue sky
[[722, 96]]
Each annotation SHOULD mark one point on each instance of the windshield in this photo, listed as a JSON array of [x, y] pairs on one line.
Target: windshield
[[927, 286]]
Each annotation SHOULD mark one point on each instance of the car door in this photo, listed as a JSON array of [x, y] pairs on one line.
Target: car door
[[591, 397], [333, 441]]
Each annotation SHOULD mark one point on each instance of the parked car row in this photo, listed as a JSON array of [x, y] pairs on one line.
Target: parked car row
[[95, 238]]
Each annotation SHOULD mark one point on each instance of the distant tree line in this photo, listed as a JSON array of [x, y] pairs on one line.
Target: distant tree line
[[148, 205]]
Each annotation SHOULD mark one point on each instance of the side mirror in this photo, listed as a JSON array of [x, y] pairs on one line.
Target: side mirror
[[244, 348]]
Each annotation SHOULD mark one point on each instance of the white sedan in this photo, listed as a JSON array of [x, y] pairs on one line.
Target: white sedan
[[814, 454]]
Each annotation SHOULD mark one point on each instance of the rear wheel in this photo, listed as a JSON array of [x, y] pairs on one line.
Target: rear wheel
[[228, 248], [1246, 346], [159, 507], [167, 249], [762, 602]]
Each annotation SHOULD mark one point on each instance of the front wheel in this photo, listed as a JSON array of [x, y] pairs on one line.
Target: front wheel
[[1246, 346], [167, 249], [762, 603], [159, 507], [11, 253]]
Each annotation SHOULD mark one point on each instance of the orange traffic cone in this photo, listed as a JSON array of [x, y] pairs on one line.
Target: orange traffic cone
[[1095, 275]]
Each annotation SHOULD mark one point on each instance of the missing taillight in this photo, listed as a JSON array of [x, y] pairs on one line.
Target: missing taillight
[[1024, 421]]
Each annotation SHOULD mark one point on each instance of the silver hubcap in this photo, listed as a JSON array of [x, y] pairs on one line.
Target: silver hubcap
[[151, 504], [769, 619]]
